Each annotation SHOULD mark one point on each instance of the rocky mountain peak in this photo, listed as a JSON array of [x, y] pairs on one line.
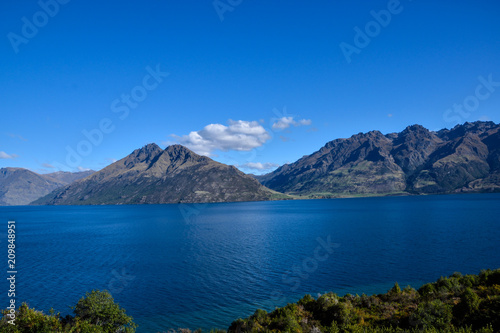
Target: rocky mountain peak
[[178, 155], [414, 133], [416, 160], [154, 176], [146, 155], [179, 151], [477, 127], [151, 149]]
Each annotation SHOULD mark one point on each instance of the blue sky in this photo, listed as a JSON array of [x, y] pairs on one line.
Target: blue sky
[[251, 83]]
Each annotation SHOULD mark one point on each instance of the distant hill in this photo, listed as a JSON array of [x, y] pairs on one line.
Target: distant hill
[[20, 186], [415, 161], [69, 177], [151, 175]]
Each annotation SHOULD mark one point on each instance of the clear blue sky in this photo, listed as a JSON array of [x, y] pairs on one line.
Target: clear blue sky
[[256, 83]]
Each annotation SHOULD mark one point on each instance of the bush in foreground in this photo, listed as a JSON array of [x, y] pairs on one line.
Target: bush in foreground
[[95, 313], [458, 303]]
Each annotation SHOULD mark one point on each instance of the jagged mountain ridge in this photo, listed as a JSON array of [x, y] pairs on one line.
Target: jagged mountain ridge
[[20, 186], [151, 175], [416, 160]]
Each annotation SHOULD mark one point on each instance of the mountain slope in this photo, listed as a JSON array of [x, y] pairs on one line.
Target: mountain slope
[[360, 164], [20, 186], [416, 160], [68, 177], [151, 175]]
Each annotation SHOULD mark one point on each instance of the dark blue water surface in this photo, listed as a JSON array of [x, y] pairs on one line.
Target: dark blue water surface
[[203, 266]]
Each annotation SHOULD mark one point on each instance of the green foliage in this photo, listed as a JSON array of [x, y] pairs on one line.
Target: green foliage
[[459, 303], [396, 289], [99, 309], [489, 277], [467, 309], [30, 320], [433, 314], [95, 313]]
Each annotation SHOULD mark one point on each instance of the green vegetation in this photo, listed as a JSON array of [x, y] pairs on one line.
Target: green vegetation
[[459, 303], [280, 196], [342, 195], [95, 313], [469, 303]]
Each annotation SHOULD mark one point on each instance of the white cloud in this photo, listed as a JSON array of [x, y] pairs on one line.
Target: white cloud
[[259, 166], [239, 135], [5, 156], [47, 165], [285, 122], [83, 169]]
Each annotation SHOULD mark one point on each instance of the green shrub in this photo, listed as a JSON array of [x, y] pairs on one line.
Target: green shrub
[[99, 309], [95, 313], [30, 320]]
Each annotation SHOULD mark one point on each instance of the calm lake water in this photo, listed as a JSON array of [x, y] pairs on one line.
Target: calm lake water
[[203, 266]]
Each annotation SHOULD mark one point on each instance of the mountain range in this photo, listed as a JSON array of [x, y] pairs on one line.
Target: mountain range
[[414, 161], [20, 186], [151, 175], [465, 158]]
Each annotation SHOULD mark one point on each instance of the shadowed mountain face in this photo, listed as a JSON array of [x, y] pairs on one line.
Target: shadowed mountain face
[[151, 175], [21, 186], [463, 159]]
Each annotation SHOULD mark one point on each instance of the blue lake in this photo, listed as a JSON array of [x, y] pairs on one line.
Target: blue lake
[[203, 266]]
